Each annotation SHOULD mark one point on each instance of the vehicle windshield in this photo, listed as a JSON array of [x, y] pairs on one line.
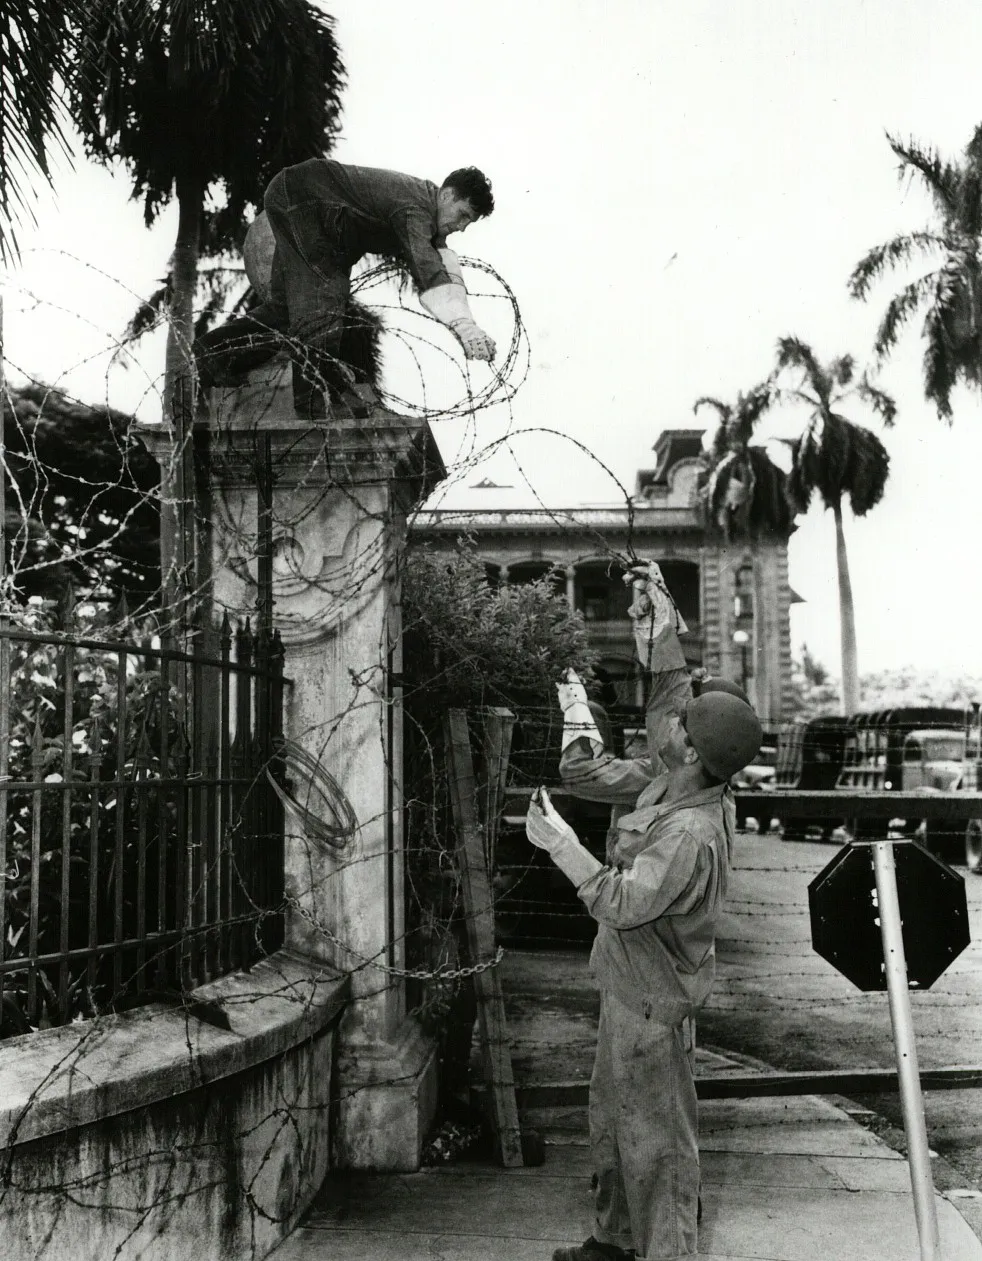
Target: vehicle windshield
[[944, 748]]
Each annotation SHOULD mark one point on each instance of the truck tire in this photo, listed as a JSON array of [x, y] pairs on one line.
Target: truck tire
[[973, 846]]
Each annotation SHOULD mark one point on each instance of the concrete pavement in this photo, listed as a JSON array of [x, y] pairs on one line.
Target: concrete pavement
[[787, 1179]]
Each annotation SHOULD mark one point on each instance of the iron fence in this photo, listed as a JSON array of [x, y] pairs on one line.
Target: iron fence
[[141, 841]]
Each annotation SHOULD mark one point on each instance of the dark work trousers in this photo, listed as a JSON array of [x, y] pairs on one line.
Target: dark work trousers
[[644, 1135], [306, 308]]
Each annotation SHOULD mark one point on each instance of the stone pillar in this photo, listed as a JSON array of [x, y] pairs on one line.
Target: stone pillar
[[571, 585], [341, 491]]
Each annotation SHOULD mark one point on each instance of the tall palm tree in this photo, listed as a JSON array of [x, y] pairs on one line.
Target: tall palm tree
[[949, 292], [198, 98], [38, 44], [836, 459]]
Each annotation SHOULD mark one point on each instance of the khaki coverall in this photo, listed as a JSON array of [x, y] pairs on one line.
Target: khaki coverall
[[657, 903]]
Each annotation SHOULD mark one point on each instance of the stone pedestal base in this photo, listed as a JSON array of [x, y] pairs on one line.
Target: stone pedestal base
[[387, 1097]]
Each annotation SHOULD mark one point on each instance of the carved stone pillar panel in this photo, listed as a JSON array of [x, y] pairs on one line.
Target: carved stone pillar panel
[[334, 528]]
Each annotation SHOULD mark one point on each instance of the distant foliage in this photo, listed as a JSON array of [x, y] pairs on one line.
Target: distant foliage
[[816, 692], [82, 502], [34, 824]]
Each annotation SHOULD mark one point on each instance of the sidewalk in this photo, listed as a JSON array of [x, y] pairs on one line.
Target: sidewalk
[[792, 1179]]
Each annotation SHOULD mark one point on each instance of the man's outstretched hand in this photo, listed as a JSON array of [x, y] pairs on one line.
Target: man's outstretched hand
[[578, 719], [475, 341], [655, 616], [544, 825]]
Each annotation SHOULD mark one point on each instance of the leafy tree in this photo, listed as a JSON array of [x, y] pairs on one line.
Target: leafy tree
[[950, 293], [82, 501], [836, 459], [741, 491], [203, 99]]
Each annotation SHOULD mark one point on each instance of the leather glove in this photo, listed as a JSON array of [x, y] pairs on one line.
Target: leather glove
[[548, 830], [449, 305], [578, 719], [657, 622]]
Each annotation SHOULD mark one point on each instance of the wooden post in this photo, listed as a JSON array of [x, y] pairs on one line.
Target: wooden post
[[495, 1052], [498, 726]]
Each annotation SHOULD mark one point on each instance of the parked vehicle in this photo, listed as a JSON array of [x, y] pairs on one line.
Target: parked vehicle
[[928, 749], [810, 755]]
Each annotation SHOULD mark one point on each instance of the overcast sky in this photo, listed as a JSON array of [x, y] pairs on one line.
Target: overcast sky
[[677, 185]]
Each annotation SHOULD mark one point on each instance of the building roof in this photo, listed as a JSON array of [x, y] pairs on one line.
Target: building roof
[[672, 446]]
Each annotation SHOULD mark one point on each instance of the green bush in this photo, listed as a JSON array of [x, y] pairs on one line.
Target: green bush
[[468, 645]]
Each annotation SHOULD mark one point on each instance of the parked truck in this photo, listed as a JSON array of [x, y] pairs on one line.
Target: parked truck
[[927, 749]]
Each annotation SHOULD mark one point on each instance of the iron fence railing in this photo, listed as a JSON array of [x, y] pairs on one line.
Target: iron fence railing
[[141, 841]]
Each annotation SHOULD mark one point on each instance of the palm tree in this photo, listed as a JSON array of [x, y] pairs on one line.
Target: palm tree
[[37, 50], [741, 491], [742, 497], [950, 292], [836, 458], [195, 99]]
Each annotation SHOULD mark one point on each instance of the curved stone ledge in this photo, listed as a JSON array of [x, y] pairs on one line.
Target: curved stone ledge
[[60, 1079]]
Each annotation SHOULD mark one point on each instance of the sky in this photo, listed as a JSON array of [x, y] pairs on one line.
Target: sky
[[676, 185]]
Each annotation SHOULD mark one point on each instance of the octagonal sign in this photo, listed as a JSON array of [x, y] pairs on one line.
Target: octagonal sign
[[845, 917]]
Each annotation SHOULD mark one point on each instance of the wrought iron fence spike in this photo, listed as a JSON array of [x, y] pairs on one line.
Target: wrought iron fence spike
[[37, 740]]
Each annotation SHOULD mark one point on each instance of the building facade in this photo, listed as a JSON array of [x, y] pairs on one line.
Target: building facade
[[735, 597]]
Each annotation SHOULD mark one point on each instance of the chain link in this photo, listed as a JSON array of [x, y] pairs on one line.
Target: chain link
[[415, 974]]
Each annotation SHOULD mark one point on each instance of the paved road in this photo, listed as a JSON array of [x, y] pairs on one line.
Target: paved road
[[776, 1000]]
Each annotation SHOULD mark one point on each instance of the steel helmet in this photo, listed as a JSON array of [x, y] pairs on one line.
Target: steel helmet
[[723, 730], [716, 684]]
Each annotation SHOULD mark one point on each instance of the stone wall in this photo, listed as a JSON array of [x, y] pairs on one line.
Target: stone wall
[[155, 1135]]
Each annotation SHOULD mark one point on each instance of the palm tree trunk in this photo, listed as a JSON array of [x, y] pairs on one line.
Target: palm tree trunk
[[177, 516], [847, 620], [177, 482]]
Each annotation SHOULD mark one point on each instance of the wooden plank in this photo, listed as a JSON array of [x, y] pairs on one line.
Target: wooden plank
[[498, 726], [846, 803], [766, 1085], [492, 1028]]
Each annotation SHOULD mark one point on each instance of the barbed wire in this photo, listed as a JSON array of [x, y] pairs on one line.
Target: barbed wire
[[111, 566]]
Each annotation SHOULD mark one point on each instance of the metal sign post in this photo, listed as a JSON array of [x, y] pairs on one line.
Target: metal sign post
[[890, 915], [911, 1099]]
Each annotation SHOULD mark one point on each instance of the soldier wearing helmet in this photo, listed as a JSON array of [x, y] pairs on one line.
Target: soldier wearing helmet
[[657, 901]]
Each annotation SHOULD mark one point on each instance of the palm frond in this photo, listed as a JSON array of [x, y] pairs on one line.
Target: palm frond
[[842, 370], [941, 179], [37, 49], [899, 310], [149, 313], [723, 409], [940, 368], [893, 253], [884, 404], [792, 352], [836, 458]]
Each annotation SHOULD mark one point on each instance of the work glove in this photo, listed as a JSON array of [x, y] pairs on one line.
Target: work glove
[[545, 826], [449, 305], [578, 719], [657, 622], [548, 830]]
